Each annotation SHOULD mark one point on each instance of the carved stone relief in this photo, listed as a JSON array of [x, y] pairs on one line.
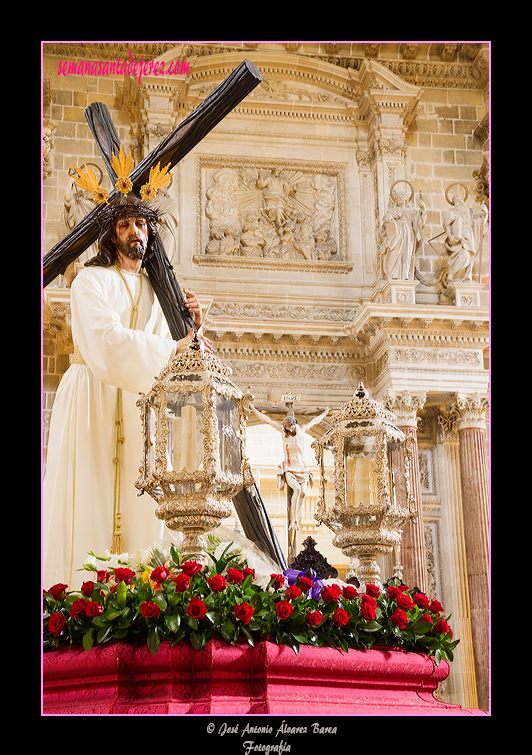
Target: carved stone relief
[[272, 214]]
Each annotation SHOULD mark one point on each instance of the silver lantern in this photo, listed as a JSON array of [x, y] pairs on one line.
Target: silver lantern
[[371, 497], [194, 460]]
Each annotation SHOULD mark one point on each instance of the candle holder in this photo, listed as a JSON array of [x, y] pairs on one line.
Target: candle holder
[[194, 460], [371, 498]]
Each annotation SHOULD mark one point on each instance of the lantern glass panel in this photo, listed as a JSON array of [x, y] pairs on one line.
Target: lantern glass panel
[[327, 478], [184, 444], [360, 477], [396, 472], [229, 443]]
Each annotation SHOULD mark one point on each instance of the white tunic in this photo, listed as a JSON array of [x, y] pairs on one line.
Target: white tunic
[[78, 489]]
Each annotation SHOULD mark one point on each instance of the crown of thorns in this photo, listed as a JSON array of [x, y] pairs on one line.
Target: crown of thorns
[[129, 207], [128, 204]]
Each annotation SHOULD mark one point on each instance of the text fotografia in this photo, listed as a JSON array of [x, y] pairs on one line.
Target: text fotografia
[[135, 68]]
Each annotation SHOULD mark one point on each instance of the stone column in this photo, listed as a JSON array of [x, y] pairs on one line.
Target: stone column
[[470, 421], [462, 684], [405, 407]]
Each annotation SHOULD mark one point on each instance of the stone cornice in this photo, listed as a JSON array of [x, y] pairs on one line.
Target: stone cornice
[[421, 322], [456, 65]]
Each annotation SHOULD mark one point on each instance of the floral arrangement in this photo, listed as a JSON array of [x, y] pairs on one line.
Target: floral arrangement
[[164, 598]]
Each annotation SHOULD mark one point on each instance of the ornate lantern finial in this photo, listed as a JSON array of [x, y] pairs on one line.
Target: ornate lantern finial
[[371, 497]]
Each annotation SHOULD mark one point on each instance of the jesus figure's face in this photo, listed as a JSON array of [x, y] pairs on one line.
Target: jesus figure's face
[[132, 237]]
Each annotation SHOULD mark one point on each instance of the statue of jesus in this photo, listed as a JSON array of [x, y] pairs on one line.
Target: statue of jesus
[[293, 469]]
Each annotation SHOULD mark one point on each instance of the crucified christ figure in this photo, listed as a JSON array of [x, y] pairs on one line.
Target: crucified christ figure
[[293, 468]]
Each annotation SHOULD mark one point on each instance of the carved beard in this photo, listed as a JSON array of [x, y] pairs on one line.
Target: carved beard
[[133, 252], [289, 431]]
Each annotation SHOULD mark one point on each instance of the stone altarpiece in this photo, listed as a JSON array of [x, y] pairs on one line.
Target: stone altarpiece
[[275, 220]]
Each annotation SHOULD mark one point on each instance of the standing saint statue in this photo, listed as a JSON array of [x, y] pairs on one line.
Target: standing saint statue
[[464, 232], [401, 234]]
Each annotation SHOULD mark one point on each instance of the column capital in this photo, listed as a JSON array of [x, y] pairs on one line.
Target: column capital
[[466, 412], [405, 406]]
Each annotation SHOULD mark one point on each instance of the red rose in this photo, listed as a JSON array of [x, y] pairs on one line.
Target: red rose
[[283, 609], [246, 572], [340, 617], [191, 568], [292, 593], [369, 599], [78, 608], [442, 627], [149, 610], [243, 612], [436, 606], [277, 580], [305, 584], [421, 600], [313, 618], [392, 592], [400, 619], [404, 601], [160, 574], [124, 575], [56, 623], [87, 588], [373, 590], [182, 582], [367, 611], [350, 592], [427, 617], [57, 591], [102, 576], [331, 593], [217, 583], [234, 576], [94, 609], [197, 609]]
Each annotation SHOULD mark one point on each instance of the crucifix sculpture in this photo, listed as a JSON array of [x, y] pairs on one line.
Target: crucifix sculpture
[[170, 151]]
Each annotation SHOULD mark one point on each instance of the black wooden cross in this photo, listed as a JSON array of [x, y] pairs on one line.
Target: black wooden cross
[[171, 150]]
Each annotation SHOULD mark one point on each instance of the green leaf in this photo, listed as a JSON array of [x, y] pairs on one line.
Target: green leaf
[[197, 640], [154, 640], [172, 621], [111, 614], [255, 602], [301, 639], [160, 600], [370, 626], [227, 630], [121, 594], [247, 634], [104, 634], [192, 622], [175, 554], [88, 639]]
